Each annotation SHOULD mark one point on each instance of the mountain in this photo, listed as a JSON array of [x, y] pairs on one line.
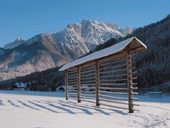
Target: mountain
[[48, 50]]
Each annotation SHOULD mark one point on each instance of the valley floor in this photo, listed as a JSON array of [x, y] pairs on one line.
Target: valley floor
[[51, 110]]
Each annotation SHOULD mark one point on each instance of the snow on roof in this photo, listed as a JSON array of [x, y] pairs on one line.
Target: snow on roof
[[102, 53]]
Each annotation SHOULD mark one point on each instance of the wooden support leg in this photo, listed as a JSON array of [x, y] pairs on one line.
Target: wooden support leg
[[78, 84], [97, 84], [66, 85], [130, 84]]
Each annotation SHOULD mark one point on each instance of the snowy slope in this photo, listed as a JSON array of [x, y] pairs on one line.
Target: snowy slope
[[32, 110]]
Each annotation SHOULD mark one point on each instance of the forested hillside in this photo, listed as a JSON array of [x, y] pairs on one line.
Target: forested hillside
[[153, 64]]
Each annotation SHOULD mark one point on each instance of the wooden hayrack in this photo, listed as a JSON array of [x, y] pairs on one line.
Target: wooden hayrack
[[106, 77]]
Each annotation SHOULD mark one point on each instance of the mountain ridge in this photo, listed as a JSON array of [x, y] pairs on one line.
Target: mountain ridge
[[48, 50]]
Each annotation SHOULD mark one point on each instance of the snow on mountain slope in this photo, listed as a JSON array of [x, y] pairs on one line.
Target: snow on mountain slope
[[91, 33], [47, 50]]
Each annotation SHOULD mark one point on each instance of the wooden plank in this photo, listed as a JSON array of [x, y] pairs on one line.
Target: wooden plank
[[88, 79], [88, 92], [88, 64], [112, 80], [130, 81], [117, 75], [113, 97], [97, 83], [119, 93], [116, 93], [114, 57], [87, 95], [113, 71], [115, 64], [87, 72], [72, 90], [108, 88], [112, 67], [93, 84], [72, 73], [72, 80], [90, 68], [79, 84], [66, 85], [88, 87], [88, 75], [105, 69], [87, 82], [72, 69], [113, 84]]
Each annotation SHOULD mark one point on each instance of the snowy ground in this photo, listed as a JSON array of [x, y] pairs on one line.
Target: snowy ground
[[51, 110]]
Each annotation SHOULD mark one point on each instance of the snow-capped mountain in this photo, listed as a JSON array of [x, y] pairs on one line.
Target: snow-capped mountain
[[47, 50]]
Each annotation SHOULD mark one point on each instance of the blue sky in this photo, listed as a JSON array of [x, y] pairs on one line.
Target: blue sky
[[27, 18]]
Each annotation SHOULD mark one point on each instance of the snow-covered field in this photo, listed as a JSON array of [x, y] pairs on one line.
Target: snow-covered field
[[51, 110]]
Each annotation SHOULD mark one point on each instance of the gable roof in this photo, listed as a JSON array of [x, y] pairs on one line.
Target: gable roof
[[106, 52]]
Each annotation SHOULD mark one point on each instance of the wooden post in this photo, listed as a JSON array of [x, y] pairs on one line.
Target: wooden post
[[97, 84], [130, 83], [66, 84], [78, 84]]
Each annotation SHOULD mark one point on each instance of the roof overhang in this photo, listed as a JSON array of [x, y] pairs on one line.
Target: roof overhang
[[135, 45]]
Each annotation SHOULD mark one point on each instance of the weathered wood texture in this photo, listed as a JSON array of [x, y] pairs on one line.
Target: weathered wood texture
[[130, 83], [66, 85], [107, 81], [79, 84]]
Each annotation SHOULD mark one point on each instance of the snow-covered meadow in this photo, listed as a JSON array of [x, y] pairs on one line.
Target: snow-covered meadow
[[25, 109]]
